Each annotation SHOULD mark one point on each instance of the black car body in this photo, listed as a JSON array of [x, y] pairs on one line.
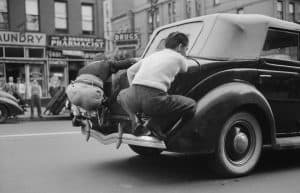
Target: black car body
[[247, 89], [9, 106]]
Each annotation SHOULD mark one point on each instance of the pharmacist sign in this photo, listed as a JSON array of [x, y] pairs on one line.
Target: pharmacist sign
[[76, 43], [28, 39]]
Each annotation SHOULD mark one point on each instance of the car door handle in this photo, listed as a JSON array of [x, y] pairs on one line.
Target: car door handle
[[265, 75]]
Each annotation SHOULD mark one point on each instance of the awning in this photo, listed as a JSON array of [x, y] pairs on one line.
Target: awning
[[73, 53]]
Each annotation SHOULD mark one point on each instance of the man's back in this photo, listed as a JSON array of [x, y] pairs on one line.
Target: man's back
[[159, 69]]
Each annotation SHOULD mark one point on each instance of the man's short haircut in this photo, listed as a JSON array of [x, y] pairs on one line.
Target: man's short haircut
[[174, 39]]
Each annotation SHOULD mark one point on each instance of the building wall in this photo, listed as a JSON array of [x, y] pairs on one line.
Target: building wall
[[265, 7], [16, 12], [121, 6], [27, 65], [141, 8], [122, 21], [204, 7], [47, 16], [17, 16]]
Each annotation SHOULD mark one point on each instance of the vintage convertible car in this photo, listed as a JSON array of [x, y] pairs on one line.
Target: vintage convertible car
[[8, 106], [247, 90]]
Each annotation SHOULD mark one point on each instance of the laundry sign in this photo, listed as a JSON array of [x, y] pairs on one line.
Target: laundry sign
[[17, 38]]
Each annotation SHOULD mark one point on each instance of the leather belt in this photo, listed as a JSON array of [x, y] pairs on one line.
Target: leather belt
[[89, 82]]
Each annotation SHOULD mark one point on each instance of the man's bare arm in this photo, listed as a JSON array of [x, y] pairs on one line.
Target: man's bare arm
[[133, 70]]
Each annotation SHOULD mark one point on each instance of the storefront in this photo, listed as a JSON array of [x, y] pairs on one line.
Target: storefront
[[67, 54], [126, 44], [22, 56]]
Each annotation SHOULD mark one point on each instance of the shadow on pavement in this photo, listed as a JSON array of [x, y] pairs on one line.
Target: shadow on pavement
[[275, 161], [177, 168], [165, 169]]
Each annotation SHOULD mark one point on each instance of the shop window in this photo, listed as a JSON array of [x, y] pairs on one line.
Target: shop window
[[14, 52], [1, 52], [87, 21], [3, 15], [57, 76], [35, 53], [17, 72], [2, 75], [61, 18], [32, 15]]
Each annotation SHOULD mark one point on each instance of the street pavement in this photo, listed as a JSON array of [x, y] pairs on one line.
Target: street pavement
[[53, 157]]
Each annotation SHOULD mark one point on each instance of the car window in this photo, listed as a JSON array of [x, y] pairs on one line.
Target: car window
[[192, 30], [281, 45]]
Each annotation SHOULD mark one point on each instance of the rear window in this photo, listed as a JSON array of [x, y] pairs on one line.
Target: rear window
[[281, 44], [192, 30]]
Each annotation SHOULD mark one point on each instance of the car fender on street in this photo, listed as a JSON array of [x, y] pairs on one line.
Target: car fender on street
[[12, 107], [214, 108]]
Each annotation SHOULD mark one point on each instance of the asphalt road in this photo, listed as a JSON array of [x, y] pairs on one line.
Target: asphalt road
[[53, 157]]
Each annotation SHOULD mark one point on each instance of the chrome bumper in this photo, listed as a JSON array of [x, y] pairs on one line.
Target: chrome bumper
[[119, 138]]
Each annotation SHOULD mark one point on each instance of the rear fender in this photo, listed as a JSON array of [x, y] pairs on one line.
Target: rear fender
[[213, 109]]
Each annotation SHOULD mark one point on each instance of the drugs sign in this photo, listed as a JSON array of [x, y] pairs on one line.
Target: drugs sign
[[127, 39]]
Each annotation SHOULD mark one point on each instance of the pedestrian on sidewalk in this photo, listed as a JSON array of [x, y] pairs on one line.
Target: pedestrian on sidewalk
[[35, 95]]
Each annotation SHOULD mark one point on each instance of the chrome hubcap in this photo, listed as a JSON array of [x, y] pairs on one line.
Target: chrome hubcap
[[240, 143]]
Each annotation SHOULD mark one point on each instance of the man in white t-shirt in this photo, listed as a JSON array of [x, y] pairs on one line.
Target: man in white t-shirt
[[150, 79]]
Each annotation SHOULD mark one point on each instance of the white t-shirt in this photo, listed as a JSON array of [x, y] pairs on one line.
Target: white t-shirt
[[157, 70]]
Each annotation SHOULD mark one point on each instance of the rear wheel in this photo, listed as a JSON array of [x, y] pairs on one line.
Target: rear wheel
[[239, 145], [145, 151], [3, 113]]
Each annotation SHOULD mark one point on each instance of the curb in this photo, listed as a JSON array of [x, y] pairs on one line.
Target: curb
[[44, 118]]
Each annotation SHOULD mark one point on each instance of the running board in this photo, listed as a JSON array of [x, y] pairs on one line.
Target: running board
[[288, 142], [145, 141]]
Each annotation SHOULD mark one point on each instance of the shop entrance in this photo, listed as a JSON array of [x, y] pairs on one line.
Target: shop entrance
[[74, 67]]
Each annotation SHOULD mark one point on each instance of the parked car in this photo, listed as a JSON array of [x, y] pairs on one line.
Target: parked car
[[247, 90], [9, 106]]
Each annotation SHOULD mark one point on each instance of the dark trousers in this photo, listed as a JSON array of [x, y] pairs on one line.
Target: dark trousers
[[35, 102], [163, 109]]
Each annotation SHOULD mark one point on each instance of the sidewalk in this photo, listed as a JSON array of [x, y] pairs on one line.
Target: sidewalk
[[64, 115]]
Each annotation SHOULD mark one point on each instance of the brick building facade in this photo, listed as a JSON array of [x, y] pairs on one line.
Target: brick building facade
[[48, 39]]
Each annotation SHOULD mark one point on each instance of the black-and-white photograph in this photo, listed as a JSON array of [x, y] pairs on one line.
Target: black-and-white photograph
[[149, 96]]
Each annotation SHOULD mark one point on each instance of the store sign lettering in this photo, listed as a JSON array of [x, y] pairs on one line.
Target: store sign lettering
[[126, 39], [16, 38], [126, 36], [71, 42]]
